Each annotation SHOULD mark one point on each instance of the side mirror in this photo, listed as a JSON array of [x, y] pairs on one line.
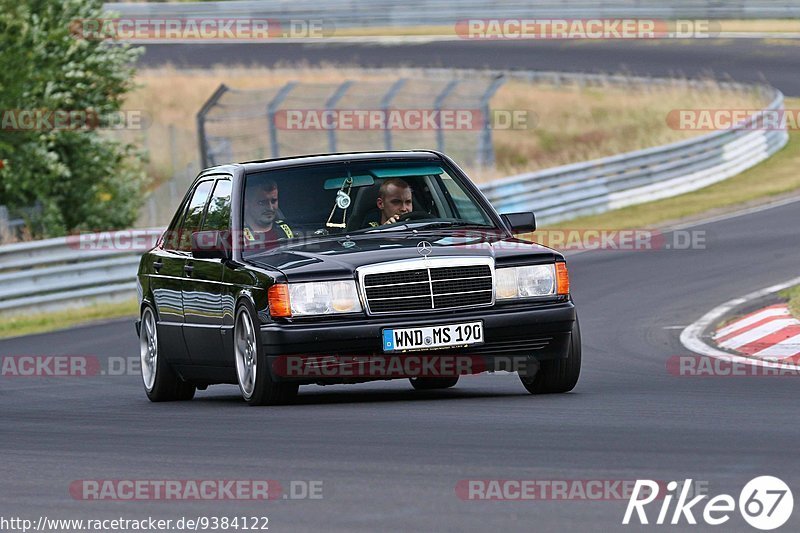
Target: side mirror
[[212, 244], [520, 222]]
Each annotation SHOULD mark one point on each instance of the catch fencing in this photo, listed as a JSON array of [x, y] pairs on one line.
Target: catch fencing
[[301, 118]]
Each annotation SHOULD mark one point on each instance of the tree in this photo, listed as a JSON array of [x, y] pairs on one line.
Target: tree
[[81, 178]]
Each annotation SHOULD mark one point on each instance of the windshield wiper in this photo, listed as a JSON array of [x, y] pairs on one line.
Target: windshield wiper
[[450, 224], [381, 229], [411, 224]]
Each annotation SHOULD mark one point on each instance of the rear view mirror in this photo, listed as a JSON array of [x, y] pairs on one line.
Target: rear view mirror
[[212, 244], [518, 222], [357, 181]]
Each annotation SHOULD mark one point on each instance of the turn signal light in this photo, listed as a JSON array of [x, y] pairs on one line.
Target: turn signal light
[[278, 298], [562, 278]]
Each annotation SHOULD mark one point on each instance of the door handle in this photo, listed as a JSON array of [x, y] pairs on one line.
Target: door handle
[[157, 265], [188, 269]]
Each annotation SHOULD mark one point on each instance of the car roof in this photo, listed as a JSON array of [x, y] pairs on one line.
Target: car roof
[[283, 162]]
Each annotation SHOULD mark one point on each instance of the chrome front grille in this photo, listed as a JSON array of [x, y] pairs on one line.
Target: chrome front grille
[[427, 285]]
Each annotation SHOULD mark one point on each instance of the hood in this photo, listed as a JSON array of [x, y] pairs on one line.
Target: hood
[[336, 258]]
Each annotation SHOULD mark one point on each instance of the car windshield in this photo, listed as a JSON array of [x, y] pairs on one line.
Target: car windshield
[[353, 197]]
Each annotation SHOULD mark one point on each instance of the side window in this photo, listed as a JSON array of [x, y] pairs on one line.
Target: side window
[[194, 215], [171, 236], [218, 214]]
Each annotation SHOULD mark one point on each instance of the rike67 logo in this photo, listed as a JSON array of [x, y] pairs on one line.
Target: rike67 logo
[[765, 503]]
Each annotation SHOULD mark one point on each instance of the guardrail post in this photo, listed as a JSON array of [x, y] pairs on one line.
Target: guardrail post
[[485, 147], [201, 123], [4, 226], [272, 107], [330, 105], [437, 106], [386, 101]]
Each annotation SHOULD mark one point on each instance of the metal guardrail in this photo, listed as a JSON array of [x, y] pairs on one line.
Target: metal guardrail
[[45, 275], [41, 275], [381, 13], [635, 177]]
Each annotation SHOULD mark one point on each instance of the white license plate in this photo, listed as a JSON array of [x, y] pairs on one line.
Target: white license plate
[[429, 337]]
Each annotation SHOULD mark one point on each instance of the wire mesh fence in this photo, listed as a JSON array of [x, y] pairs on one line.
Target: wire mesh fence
[[450, 114]]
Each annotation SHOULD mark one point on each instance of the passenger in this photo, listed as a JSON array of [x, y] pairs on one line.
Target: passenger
[[260, 215]]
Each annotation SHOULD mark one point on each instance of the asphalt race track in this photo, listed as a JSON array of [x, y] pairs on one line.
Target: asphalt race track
[[744, 60], [390, 457]]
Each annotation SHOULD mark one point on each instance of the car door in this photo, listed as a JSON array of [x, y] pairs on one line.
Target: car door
[[168, 292], [167, 281], [202, 284]]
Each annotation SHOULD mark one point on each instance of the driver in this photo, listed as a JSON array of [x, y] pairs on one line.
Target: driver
[[261, 222], [394, 200]]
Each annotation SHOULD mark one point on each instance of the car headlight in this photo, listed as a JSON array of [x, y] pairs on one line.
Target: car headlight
[[315, 298], [525, 282]]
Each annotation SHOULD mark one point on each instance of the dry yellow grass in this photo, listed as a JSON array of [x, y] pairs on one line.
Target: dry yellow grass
[[571, 123], [773, 178], [761, 26]]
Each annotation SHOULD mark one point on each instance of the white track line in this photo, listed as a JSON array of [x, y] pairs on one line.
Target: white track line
[[691, 340]]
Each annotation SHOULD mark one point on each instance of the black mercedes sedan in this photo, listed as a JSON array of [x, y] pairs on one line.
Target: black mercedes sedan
[[345, 268]]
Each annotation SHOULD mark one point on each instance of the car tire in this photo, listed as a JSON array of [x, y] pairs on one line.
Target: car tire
[[433, 383], [161, 383], [557, 375], [252, 374]]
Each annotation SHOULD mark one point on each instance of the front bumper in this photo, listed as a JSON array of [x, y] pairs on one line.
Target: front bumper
[[542, 332]]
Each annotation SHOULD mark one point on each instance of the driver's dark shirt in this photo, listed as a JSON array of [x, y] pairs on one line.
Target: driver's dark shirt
[[372, 220]]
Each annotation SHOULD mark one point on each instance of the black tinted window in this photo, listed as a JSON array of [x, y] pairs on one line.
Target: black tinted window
[[218, 214], [194, 215]]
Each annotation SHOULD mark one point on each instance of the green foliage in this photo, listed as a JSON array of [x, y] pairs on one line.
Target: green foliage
[[792, 295], [81, 178]]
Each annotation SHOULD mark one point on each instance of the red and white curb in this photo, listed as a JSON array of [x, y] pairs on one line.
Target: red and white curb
[[770, 332], [764, 338]]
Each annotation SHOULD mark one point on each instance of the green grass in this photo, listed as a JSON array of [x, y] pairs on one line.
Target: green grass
[[28, 324], [776, 176], [792, 295]]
